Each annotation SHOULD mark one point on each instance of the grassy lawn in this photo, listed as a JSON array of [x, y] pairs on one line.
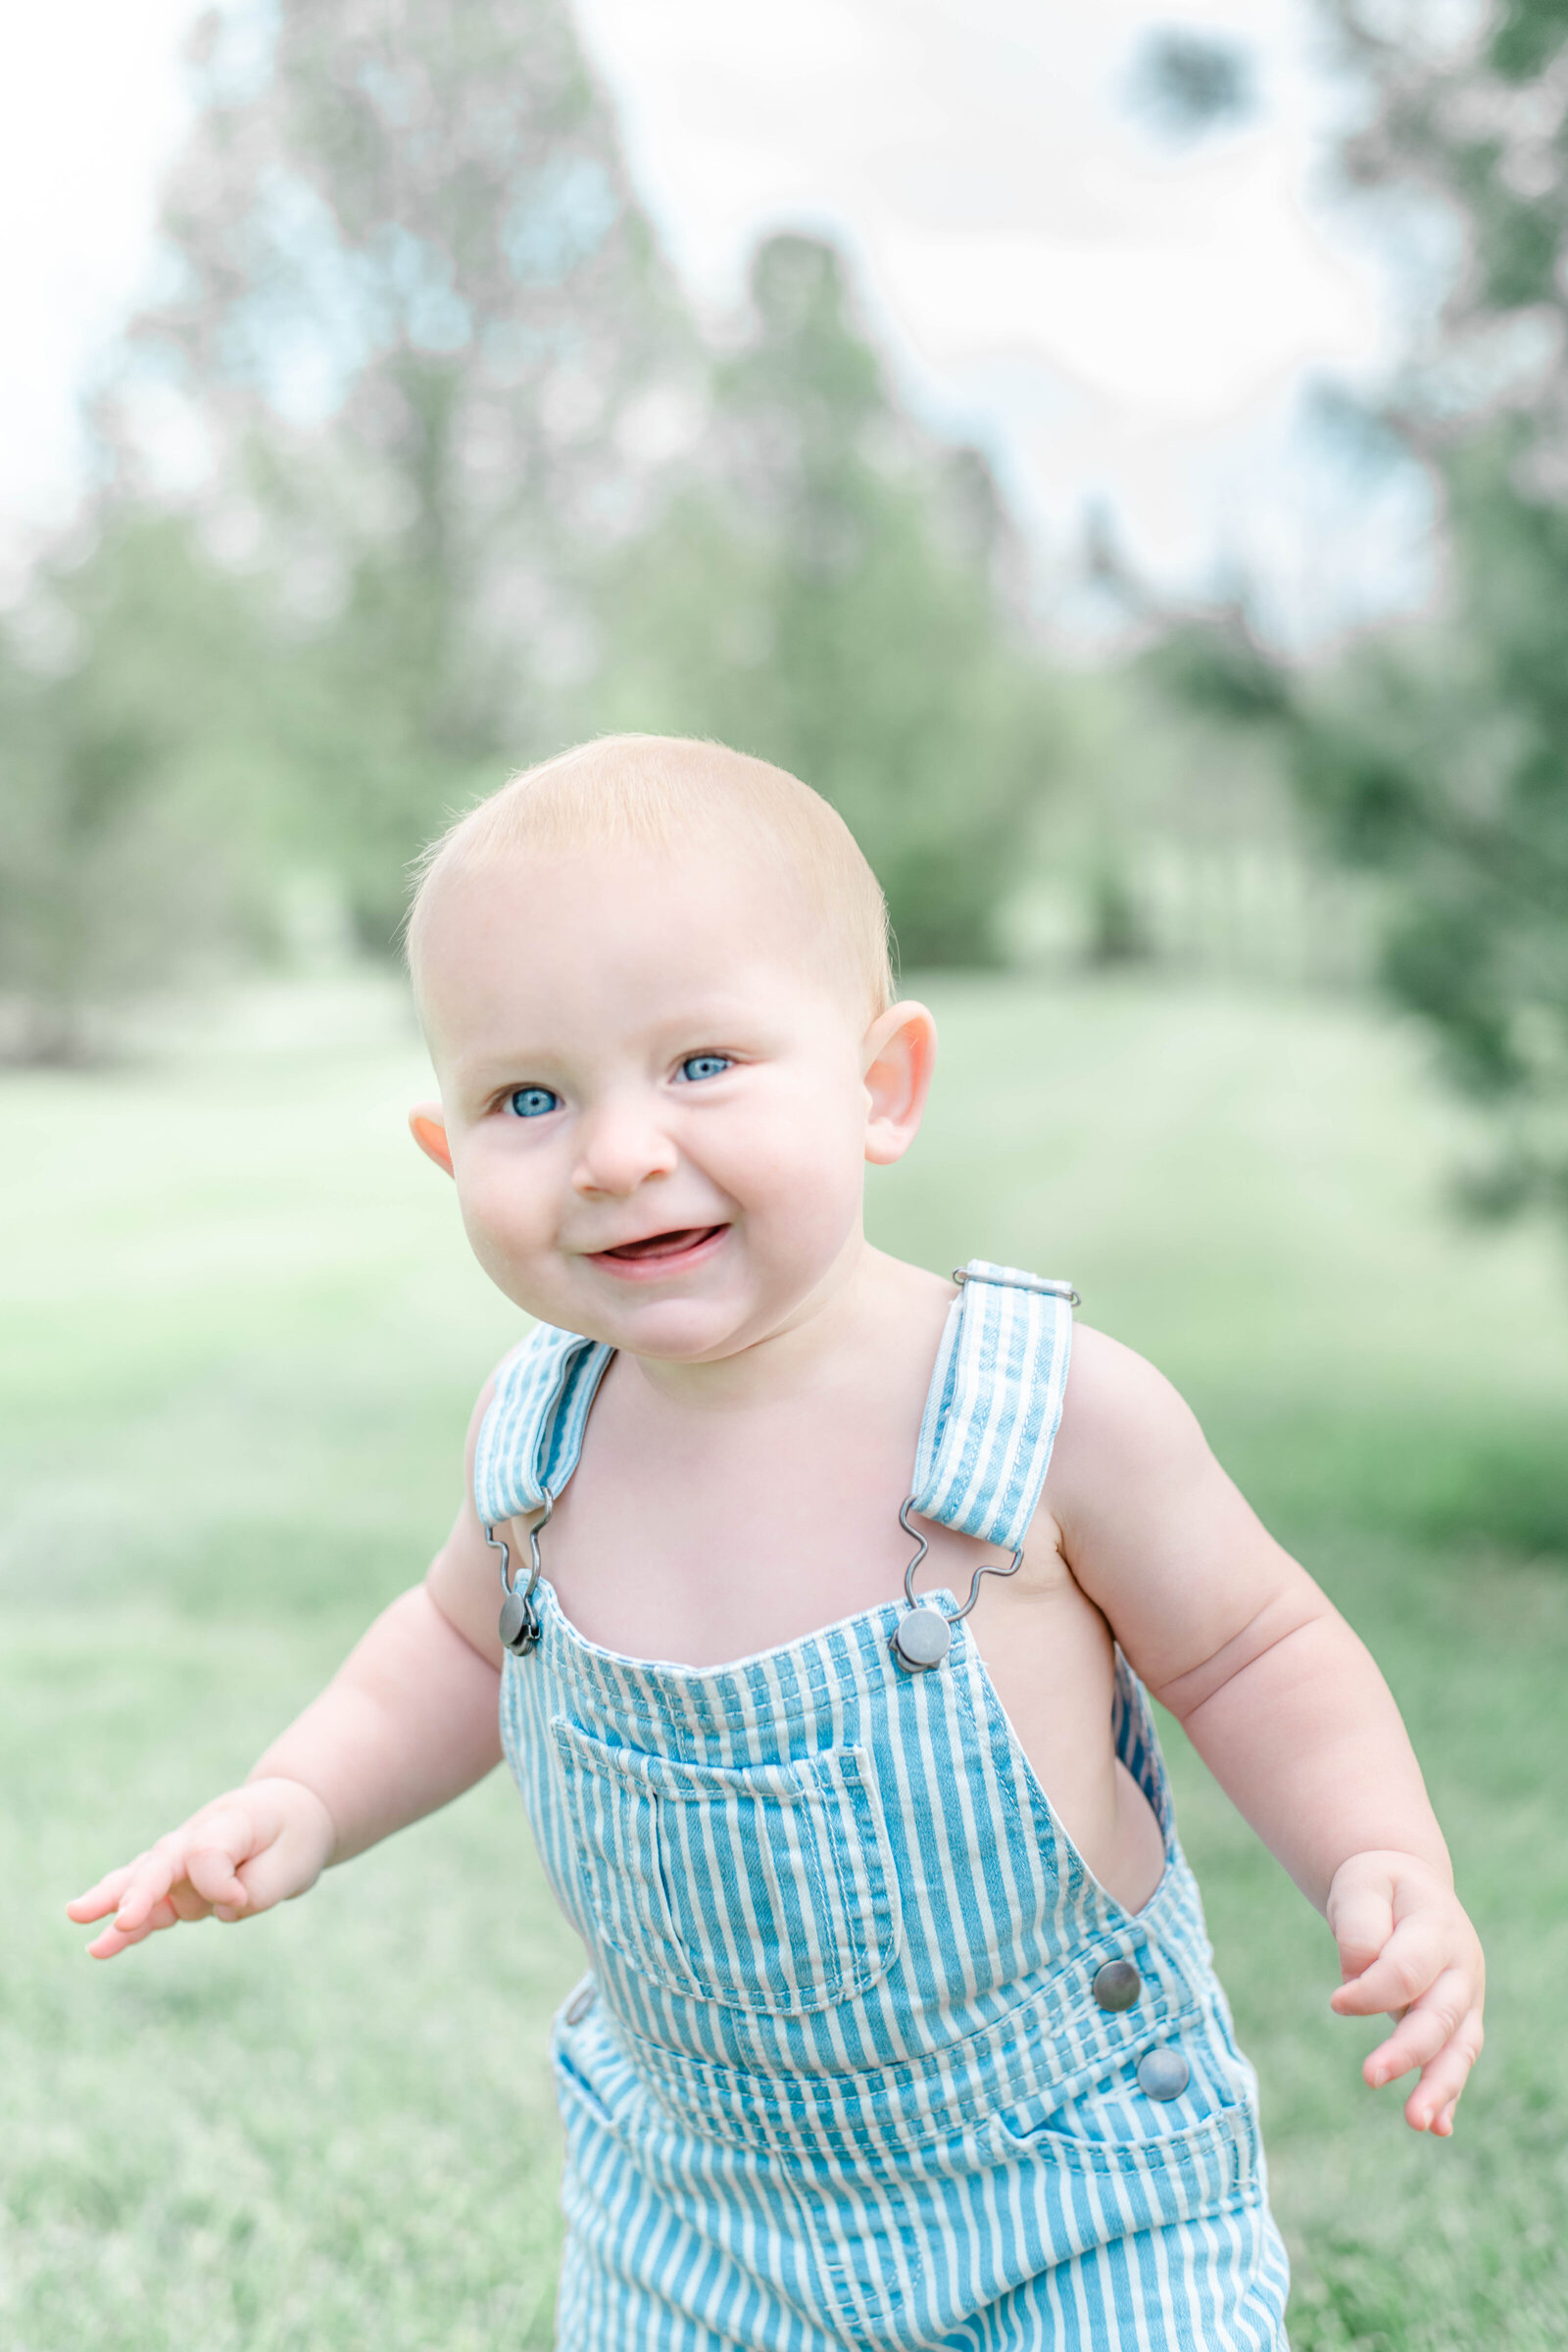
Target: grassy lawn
[[243, 1336]]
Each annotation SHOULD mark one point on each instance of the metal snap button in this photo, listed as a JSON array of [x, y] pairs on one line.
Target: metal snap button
[[581, 2002], [1164, 2074], [1117, 1984], [519, 1626], [921, 1640]]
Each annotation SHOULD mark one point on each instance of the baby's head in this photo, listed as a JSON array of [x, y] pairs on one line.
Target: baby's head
[[655, 979]]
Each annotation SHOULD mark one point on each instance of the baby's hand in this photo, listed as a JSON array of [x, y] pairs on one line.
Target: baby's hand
[[1408, 1947], [241, 1854]]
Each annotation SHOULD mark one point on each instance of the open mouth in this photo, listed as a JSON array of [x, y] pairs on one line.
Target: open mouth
[[660, 1252]]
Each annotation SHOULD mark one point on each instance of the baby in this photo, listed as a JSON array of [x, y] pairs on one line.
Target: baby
[[902, 2029]]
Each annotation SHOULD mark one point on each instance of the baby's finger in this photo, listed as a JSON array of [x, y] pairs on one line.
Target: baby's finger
[[1401, 1974], [115, 1939], [1431, 2105], [150, 1880], [1423, 2030], [105, 1896]]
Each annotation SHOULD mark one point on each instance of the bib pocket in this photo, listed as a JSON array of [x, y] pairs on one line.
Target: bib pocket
[[762, 1887]]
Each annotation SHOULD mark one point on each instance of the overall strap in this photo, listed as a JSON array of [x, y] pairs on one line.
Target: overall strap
[[531, 1434], [995, 1402]]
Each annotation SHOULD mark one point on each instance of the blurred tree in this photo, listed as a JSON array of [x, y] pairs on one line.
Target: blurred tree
[[838, 593], [1435, 755], [1442, 760], [418, 350], [129, 848], [1187, 82], [416, 468]]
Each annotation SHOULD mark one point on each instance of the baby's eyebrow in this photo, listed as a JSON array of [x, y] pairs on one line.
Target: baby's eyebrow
[[730, 1020], [480, 1070], [729, 1023]]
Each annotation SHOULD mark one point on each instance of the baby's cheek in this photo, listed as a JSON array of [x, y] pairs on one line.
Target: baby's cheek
[[500, 1259], [805, 1180], [503, 1219]]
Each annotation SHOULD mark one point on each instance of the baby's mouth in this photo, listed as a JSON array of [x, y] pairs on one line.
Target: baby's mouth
[[654, 1247]]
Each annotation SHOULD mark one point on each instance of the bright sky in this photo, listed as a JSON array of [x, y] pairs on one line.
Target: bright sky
[[1117, 319]]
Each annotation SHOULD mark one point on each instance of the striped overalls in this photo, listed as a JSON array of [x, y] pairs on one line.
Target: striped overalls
[[867, 2057]]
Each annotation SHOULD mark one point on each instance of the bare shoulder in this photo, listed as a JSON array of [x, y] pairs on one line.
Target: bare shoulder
[[1152, 1530], [1123, 1426], [462, 1579]]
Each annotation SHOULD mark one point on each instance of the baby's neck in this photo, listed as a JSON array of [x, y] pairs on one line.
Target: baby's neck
[[713, 1517]]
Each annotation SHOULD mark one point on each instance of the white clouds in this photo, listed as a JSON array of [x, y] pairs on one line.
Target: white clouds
[[1182, 332], [1114, 318], [1118, 319]]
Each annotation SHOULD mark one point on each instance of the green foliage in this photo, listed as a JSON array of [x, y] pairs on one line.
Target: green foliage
[[1525, 36], [418, 470], [832, 597], [348, 464], [414, 312], [1436, 758], [1189, 83], [1219, 669], [134, 748]]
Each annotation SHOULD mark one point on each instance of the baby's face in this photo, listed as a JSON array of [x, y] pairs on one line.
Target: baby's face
[[657, 1114]]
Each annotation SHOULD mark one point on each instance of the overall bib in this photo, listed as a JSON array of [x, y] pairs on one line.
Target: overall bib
[[868, 2056]]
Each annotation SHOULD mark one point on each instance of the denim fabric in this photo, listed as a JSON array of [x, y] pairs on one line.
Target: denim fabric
[[845, 2080]]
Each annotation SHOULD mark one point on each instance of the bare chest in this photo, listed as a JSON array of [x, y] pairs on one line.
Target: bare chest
[[698, 1569]]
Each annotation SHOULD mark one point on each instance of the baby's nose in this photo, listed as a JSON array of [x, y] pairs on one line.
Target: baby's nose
[[623, 1147]]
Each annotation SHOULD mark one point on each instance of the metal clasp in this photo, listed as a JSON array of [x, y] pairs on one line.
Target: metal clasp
[[519, 1626], [922, 1639], [1020, 1282]]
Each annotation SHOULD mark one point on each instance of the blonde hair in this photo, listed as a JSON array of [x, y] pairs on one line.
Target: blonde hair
[[663, 791]]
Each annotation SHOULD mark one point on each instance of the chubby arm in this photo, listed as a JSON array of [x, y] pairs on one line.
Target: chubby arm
[[407, 1722], [1281, 1699]]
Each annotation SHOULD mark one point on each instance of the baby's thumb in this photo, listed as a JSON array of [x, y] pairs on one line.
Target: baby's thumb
[[215, 1853], [292, 1860], [1362, 1920]]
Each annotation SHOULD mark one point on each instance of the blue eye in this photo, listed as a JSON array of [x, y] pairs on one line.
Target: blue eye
[[704, 1065], [532, 1101]]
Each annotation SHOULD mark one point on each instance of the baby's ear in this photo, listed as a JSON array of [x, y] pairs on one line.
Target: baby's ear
[[898, 1055], [429, 1131]]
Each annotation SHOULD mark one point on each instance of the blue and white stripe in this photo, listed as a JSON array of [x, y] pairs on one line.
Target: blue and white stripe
[[845, 2081], [992, 1415], [532, 1433]]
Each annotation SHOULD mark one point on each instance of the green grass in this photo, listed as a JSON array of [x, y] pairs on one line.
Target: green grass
[[243, 1336]]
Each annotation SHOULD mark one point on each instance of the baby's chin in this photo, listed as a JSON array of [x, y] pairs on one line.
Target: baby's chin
[[675, 1330], [663, 1324]]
